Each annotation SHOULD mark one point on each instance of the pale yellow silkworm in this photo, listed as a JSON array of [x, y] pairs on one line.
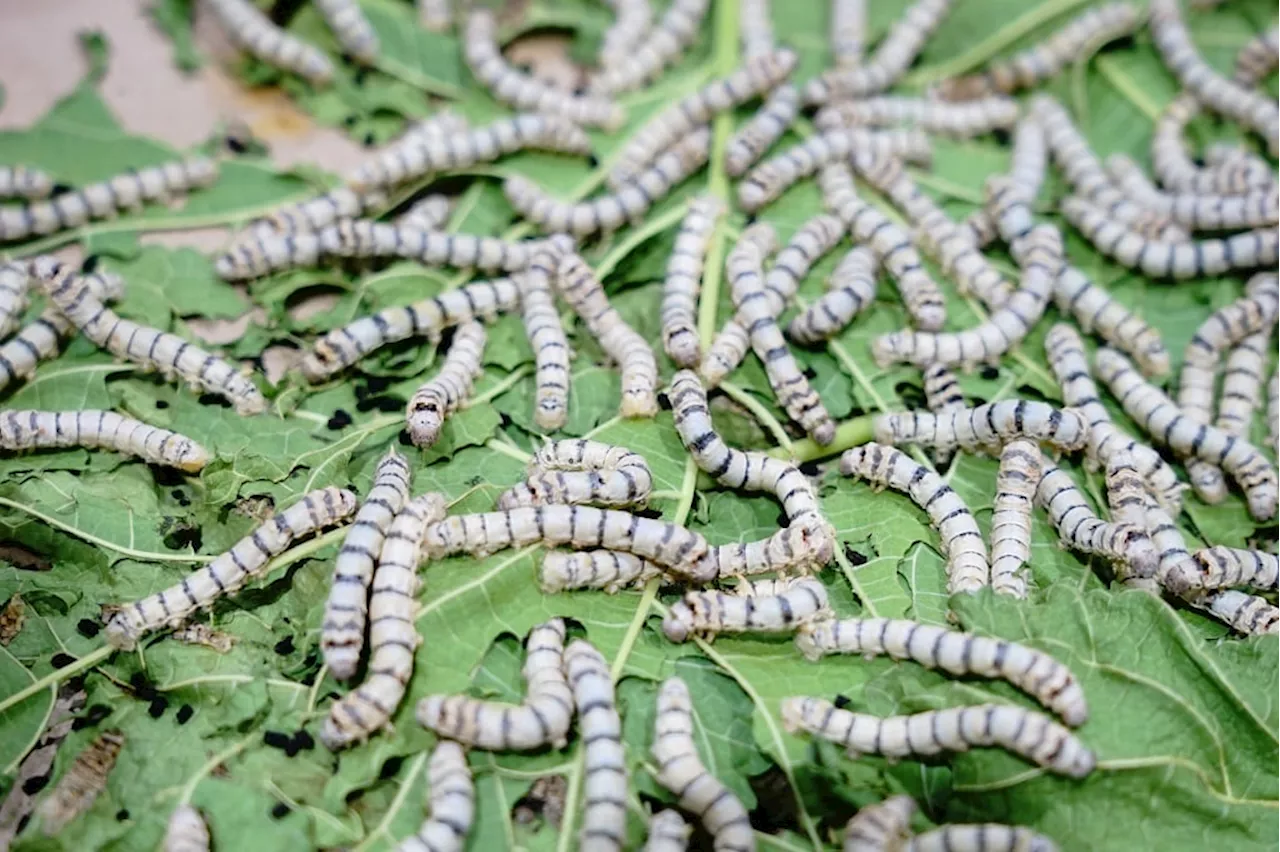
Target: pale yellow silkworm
[[24, 182], [32, 430], [81, 784], [960, 121], [351, 28], [880, 827], [851, 289], [451, 799], [684, 281], [983, 837], [186, 831], [609, 570], [1127, 545], [762, 130], [436, 399], [663, 45], [604, 811], [668, 832], [985, 428], [767, 606], [848, 32], [253, 32], [1011, 517], [625, 481], [547, 339]]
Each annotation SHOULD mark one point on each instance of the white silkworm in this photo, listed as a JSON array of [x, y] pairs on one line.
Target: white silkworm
[[983, 837], [950, 244], [1247, 614], [342, 630], [186, 831], [768, 606], [848, 32], [254, 33], [361, 238], [850, 290], [664, 45], [1034, 672], [966, 554], [985, 428], [755, 28], [676, 122], [81, 784], [1095, 311], [542, 719], [960, 121], [727, 351], [632, 19], [1257, 58], [1127, 495], [15, 286], [1172, 163], [1222, 567], [346, 346], [625, 482], [547, 339], [762, 130], [451, 800], [436, 15], [430, 214], [1011, 518], [880, 827], [247, 559], [436, 399], [581, 454], [351, 28], [313, 214], [32, 430], [259, 253], [942, 393], [125, 192], [604, 811], [609, 570], [24, 182], [1273, 410], [1242, 384], [437, 126], [1026, 733], [1198, 212], [681, 771], [802, 545], [1081, 529], [668, 832], [393, 635], [684, 281], [1238, 165], [627, 204], [896, 52]]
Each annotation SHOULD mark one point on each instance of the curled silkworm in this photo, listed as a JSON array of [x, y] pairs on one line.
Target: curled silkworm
[[253, 32], [1257, 58], [24, 182], [626, 482], [436, 399], [342, 630], [961, 121], [684, 281], [451, 798], [259, 253], [632, 19], [542, 719], [430, 214], [186, 831], [880, 827], [1011, 519], [850, 290], [663, 45], [986, 428], [81, 784], [681, 771], [984, 837], [1238, 164], [1226, 567], [32, 430], [609, 570], [351, 28], [1172, 162], [766, 127], [668, 832], [1082, 530], [604, 811], [967, 566], [848, 32], [768, 606], [1197, 212], [547, 339], [15, 286], [247, 559], [1096, 311], [1026, 733], [942, 393], [361, 238]]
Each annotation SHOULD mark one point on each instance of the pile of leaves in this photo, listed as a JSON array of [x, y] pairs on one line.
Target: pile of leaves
[[1184, 717]]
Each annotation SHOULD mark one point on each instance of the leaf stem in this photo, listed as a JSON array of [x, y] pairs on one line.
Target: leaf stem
[[88, 661], [850, 433]]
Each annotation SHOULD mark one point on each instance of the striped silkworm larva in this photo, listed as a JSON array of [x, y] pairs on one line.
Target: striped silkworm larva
[[351, 28], [247, 559], [604, 811], [892, 57], [255, 34], [393, 635], [755, 27], [668, 832], [609, 570], [1273, 410], [1257, 58], [770, 179], [150, 348], [955, 251], [1226, 567], [1127, 495], [260, 253], [981, 837], [1172, 163], [1237, 164], [627, 204], [661, 46], [1041, 261], [1251, 108], [547, 339], [1079, 527], [1247, 614], [880, 827], [727, 351], [882, 466], [889, 176], [580, 454], [451, 800], [361, 238], [682, 771], [1026, 733], [762, 130], [684, 281], [1242, 384], [430, 214], [960, 121], [80, 785], [851, 289], [543, 718], [32, 430], [848, 32], [767, 606], [744, 271], [942, 393], [1176, 572], [1093, 28], [346, 346], [342, 630], [1096, 311], [24, 182], [626, 482], [753, 77], [15, 287], [580, 287], [186, 831], [803, 545], [436, 15], [985, 428], [423, 155], [518, 90], [436, 399], [124, 192], [1197, 212], [632, 19], [438, 125], [1164, 421], [313, 214], [673, 547], [198, 633], [1032, 671], [1011, 517]]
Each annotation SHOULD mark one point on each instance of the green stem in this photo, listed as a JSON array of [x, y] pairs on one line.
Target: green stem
[[88, 661], [850, 433]]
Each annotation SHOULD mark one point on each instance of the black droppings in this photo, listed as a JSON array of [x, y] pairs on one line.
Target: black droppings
[[390, 768], [167, 477], [349, 121], [235, 144], [404, 439], [810, 468], [142, 686], [185, 712], [339, 420], [284, 646], [855, 558], [593, 161], [302, 741], [664, 401], [843, 701], [90, 264], [31, 786], [122, 815], [62, 660], [162, 404], [280, 740], [88, 628], [92, 717], [377, 384], [810, 373], [990, 373], [158, 706], [280, 811], [214, 399]]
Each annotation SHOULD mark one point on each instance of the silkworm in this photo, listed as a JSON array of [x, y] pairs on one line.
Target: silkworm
[[436, 126], [803, 545], [1041, 262], [668, 832], [81, 784], [1198, 212], [896, 52], [767, 606], [585, 294], [670, 546], [1026, 733], [1242, 384], [361, 238], [627, 204], [1257, 58], [662, 46], [1096, 311], [254, 33], [24, 182], [451, 801], [767, 181], [882, 466], [1165, 422], [186, 831], [430, 214], [880, 827], [351, 28], [393, 635], [259, 253], [681, 771], [1222, 567], [1024, 70], [1127, 495], [542, 719], [150, 348], [673, 124], [315, 213], [727, 351], [342, 630], [580, 454], [985, 428], [683, 281], [196, 633], [959, 121], [755, 28], [961, 654], [1082, 530], [436, 399], [850, 290], [942, 393], [626, 482], [889, 176], [517, 90], [1236, 164], [985, 837], [762, 130], [848, 32], [246, 560], [32, 430], [547, 339], [1273, 409], [632, 19], [1011, 518], [346, 346], [1172, 163], [436, 15], [15, 285], [125, 192], [1244, 613], [604, 812], [609, 570], [960, 259], [422, 156]]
